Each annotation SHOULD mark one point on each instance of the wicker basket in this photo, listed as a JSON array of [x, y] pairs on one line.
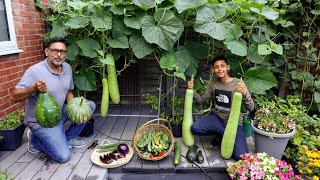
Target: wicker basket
[[151, 126]]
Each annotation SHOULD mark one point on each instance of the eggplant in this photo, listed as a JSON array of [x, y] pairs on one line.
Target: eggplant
[[104, 160]]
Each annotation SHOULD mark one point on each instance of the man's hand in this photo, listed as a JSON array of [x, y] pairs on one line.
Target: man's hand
[[241, 87], [40, 85]]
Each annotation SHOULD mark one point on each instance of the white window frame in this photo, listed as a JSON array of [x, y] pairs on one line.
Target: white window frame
[[9, 47]]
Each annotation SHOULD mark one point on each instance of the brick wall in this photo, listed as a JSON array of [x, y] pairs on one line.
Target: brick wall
[[29, 28]]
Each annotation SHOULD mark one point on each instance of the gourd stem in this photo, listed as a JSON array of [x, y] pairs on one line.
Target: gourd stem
[[81, 101]]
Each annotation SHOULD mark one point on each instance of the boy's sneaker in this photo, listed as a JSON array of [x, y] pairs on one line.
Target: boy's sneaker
[[77, 143], [31, 147]]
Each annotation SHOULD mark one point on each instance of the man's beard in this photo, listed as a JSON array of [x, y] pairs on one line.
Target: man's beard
[[56, 61]]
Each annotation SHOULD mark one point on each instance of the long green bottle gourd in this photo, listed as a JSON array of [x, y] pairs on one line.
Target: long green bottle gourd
[[112, 81], [187, 135], [47, 111], [105, 98], [230, 132]]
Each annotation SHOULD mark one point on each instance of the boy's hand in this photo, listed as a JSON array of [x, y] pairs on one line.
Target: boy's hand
[[241, 87], [190, 85]]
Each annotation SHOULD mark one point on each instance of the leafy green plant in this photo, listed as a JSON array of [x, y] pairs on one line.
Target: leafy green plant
[[4, 175], [152, 100], [12, 120]]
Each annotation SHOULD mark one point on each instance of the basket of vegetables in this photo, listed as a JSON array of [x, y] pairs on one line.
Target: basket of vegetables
[[153, 141]]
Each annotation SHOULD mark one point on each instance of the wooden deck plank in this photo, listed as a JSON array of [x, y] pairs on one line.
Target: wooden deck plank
[[131, 125], [32, 167], [212, 153], [16, 168], [118, 128], [97, 173], [4, 154], [80, 172], [13, 157]]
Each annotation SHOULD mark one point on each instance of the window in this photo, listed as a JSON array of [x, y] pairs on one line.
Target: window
[[8, 42]]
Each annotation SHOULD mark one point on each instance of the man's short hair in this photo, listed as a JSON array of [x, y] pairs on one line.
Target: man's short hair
[[56, 39]]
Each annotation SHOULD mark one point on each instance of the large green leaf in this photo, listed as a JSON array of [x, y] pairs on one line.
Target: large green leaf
[[101, 21], [140, 46], [259, 79], [234, 32], [316, 97], [145, 4], [163, 29], [193, 67], [72, 52], [182, 58], [119, 40], [118, 27], [264, 49], [85, 80], [135, 20], [168, 61], [77, 22], [59, 30], [182, 5], [269, 13], [253, 54], [89, 47], [207, 21], [76, 5], [199, 51], [277, 48], [237, 47]]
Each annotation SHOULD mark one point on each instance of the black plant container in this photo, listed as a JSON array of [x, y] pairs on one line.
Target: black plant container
[[176, 130], [88, 129], [12, 138]]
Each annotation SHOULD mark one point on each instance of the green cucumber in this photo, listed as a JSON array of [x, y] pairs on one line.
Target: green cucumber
[[230, 132], [105, 98], [177, 154]]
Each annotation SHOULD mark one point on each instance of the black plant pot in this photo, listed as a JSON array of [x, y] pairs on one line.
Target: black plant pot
[[176, 130], [12, 138], [88, 129]]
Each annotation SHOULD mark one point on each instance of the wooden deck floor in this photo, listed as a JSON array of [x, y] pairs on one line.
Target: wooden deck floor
[[23, 165]]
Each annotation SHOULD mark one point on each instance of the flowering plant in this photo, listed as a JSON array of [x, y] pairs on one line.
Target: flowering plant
[[275, 116], [260, 166], [309, 163]]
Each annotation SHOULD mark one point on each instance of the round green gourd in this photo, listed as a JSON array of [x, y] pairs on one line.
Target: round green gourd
[[47, 111], [79, 110], [230, 132]]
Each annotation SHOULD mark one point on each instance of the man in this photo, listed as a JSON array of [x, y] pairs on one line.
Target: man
[[53, 75]]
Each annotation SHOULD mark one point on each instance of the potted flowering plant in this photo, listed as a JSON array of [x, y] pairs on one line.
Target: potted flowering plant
[[260, 166], [273, 125]]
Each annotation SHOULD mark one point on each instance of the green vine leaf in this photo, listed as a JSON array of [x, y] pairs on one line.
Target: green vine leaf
[[85, 80], [316, 97], [182, 59], [119, 40], [207, 21], [168, 61], [140, 46], [101, 21], [234, 44], [269, 13], [182, 5], [72, 52], [163, 29], [145, 4], [264, 49], [77, 5], [77, 22], [135, 20], [253, 54], [259, 79], [89, 47], [59, 30]]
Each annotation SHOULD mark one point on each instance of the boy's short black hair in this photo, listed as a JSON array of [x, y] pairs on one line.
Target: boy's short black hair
[[56, 39], [219, 57]]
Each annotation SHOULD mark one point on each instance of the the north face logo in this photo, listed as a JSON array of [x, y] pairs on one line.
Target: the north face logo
[[223, 98]]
